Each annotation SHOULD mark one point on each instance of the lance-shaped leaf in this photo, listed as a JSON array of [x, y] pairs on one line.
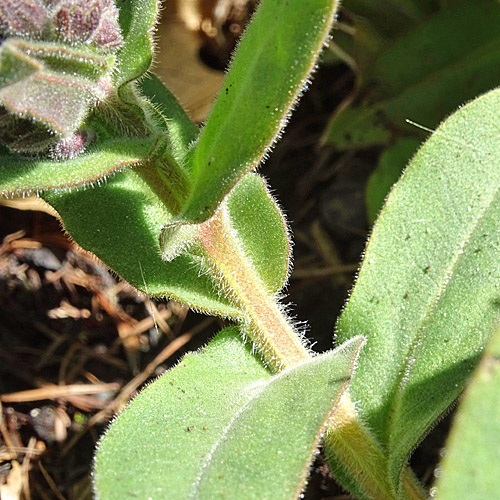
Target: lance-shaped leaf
[[472, 458], [427, 293], [447, 69], [121, 220], [24, 176], [268, 73], [220, 426], [137, 20]]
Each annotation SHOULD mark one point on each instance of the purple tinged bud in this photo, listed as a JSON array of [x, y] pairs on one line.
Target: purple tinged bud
[[22, 17], [71, 147], [94, 21]]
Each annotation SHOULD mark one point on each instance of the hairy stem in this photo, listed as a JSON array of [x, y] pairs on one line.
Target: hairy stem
[[346, 441], [267, 325]]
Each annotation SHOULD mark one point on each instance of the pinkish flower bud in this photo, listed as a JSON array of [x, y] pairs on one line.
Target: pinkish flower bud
[[22, 17], [72, 146], [94, 21]]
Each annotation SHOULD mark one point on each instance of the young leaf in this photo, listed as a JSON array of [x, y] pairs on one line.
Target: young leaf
[[427, 293], [219, 424], [256, 218], [137, 20], [24, 176], [472, 461], [447, 69], [268, 73]]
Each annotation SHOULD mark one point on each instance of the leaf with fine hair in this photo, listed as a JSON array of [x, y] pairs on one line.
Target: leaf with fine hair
[[219, 424], [24, 176], [427, 293], [269, 71], [137, 20], [472, 460]]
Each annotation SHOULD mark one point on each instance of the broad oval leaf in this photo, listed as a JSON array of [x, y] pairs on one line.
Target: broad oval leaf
[[261, 230], [427, 292], [472, 458], [120, 222], [268, 73], [220, 424]]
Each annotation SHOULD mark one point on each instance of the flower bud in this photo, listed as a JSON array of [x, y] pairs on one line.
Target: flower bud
[[94, 21], [22, 17], [56, 61]]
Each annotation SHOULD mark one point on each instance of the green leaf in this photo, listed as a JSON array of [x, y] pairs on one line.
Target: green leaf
[[24, 176], [137, 20], [447, 69], [120, 221], [261, 230], [219, 424], [389, 169], [427, 293], [268, 73], [472, 458], [181, 131]]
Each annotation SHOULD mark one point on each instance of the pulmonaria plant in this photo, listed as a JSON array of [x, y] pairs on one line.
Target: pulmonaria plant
[[178, 212]]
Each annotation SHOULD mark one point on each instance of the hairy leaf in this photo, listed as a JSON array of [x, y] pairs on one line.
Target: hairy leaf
[[472, 458], [219, 424], [120, 222], [261, 230], [427, 293], [268, 73], [137, 20], [25, 176]]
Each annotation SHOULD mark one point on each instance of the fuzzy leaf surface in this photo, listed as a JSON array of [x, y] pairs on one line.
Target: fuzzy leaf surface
[[261, 230], [220, 424], [268, 73], [22, 176], [447, 69], [120, 222], [137, 20], [427, 293], [472, 458]]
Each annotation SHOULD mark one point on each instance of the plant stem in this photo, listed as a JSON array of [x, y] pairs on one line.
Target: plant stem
[[267, 325], [346, 440]]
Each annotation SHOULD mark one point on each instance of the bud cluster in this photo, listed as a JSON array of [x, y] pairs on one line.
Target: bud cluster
[[70, 21], [56, 60]]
